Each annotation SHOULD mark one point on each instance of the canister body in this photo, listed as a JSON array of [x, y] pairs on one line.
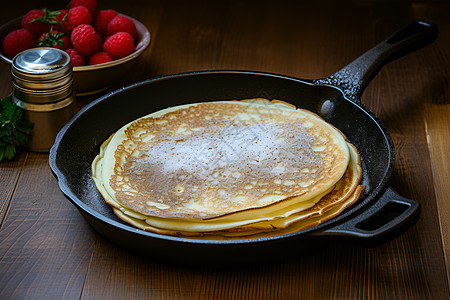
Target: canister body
[[42, 79], [47, 119]]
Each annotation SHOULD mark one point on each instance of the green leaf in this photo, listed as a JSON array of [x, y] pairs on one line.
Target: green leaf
[[10, 151], [23, 131], [9, 108], [2, 151], [8, 131], [13, 130]]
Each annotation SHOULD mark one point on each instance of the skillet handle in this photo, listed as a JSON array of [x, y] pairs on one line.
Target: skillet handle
[[354, 78], [390, 216]]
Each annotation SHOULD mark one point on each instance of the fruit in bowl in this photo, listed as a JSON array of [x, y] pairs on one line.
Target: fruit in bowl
[[103, 44]]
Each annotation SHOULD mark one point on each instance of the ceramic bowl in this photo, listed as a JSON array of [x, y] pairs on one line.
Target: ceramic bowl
[[96, 78]]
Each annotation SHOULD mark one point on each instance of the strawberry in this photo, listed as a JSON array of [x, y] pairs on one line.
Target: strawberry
[[54, 39], [39, 21], [18, 41], [58, 17], [76, 58], [34, 22], [104, 16], [119, 45], [99, 58], [86, 40], [121, 23], [91, 5], [77, 15]]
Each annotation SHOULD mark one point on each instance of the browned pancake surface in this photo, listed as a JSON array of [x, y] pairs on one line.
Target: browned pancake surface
[[215, 158]]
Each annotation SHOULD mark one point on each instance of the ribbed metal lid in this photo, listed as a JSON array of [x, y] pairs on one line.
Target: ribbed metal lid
[[42, 74]]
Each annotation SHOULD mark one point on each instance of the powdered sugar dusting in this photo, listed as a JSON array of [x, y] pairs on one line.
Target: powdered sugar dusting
[[237, 157]]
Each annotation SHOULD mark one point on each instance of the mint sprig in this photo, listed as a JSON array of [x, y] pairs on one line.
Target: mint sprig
[[13, 129]]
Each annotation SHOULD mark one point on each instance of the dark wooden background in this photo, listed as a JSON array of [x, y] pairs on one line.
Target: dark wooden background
[[47, 250]]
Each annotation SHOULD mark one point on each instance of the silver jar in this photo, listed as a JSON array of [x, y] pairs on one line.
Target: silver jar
[[42, 80]]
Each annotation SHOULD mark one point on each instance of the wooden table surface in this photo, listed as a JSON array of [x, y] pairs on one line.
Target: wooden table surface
[[48, 251]]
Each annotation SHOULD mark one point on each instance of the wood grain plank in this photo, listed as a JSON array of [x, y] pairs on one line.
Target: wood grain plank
[[48, 251], [437, 124], [45, 245], [275, 37], [248, 35], [398, 96], [10, 172]]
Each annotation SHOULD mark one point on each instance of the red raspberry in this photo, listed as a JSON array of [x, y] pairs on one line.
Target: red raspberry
[[36, 28], [121, 23], [18, 41], [104, 16], [54, 39], [77, 16], [91, 5], [86, 40], [119, 45], [76, 58], [100, 58]]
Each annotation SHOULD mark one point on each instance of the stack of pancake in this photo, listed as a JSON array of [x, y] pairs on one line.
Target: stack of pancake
[[228, 170]]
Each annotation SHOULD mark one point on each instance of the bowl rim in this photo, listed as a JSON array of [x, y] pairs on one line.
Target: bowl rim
[[140, 47]]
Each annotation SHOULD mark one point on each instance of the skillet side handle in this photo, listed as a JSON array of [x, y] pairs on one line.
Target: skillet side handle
[[386, 219], [354, 78]]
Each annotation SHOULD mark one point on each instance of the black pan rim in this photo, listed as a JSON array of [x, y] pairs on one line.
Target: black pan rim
[[347, 214]]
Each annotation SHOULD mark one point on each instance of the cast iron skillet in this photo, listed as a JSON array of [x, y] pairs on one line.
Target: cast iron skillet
[[376, 218]]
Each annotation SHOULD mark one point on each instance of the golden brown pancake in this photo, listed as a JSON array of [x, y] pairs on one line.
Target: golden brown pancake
[[229, 166]]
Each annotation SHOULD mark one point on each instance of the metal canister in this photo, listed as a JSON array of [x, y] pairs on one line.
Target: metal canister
[[42, 80]]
